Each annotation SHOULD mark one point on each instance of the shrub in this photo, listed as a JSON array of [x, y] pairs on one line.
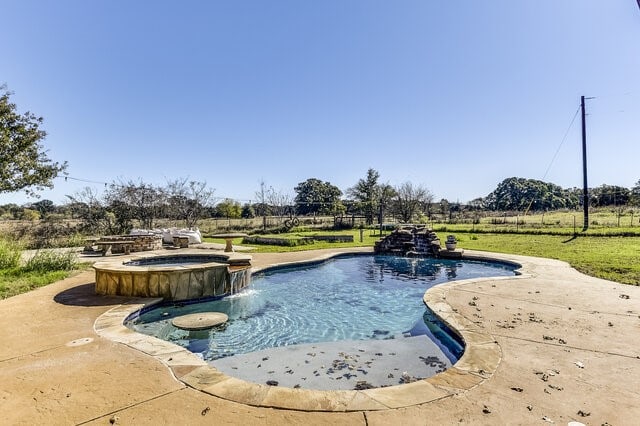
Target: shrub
[[50, 260], [10, 252], [287, 242]]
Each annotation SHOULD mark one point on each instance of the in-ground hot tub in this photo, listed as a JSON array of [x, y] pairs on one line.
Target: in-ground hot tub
[[180, 276]]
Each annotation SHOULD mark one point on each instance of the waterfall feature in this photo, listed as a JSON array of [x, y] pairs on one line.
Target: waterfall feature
[[239, 278], [410, 241]]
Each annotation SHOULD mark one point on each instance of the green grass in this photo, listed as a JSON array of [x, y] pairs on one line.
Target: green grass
[[612, 258], [45, 267], [16, 281], [602, 221], [10, 252]]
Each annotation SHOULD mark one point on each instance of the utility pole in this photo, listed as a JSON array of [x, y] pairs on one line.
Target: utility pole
[[585, 188]]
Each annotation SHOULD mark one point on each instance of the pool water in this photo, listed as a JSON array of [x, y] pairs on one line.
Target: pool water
[[347, 298]]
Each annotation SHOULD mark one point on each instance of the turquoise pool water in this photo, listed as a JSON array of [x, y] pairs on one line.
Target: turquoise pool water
[[348, 298]]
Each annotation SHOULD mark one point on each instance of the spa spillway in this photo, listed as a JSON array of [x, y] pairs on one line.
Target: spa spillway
[[182, 276]]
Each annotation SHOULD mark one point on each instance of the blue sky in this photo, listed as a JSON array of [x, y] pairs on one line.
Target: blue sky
[[455, 96]]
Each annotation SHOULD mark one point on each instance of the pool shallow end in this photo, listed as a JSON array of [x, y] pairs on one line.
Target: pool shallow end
[[479, 362]]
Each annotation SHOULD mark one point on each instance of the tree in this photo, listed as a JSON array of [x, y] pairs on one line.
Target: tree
[[367, 194], [529, 194], [409, 200], [96, 219], [136, 200], [44, 207], [317, 197], [229, 209], [279, 202], [24, 164], [188, 200], [248, 211], [444, 208], [635, 194], [610, 195]]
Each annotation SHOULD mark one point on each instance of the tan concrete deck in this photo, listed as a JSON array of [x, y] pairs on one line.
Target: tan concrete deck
[[565, 347]]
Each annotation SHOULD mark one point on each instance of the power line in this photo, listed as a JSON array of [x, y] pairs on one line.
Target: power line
[[83, 180], [564, 138], [67, 178]]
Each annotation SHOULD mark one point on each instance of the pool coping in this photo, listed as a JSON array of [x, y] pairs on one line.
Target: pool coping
[[479, 362]]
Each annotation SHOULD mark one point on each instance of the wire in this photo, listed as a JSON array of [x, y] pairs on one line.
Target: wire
[[564, 138], [84, 180]]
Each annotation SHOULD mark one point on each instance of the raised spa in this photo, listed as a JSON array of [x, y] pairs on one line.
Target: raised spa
[[183, 276]]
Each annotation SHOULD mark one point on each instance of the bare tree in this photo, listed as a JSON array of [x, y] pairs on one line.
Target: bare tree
[[409, 200], [136, 200], [261, 207], [279, 201], [91, 210], [188, 200]]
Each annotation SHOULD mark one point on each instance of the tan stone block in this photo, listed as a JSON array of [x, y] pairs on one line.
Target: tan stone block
[[414, 393], [363, 402], [182, 370], [196, 285], [182, 288], [455, 381], [313, 400], [141, 285], [208, 285], [154, 285], [480, 359], [181, 357], [101, 283], [458, 323], [174, 284], [155, 347], [476, 338], [239, 391], [125, 287], [220, 281], [113, 283], [203, 377], [164, 289]]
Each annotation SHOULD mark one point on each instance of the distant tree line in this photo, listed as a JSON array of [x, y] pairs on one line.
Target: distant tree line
[[24, 165], [125, 204], [520, 194]]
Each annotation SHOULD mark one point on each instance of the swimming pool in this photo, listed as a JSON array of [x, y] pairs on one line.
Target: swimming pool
[[347, 298]]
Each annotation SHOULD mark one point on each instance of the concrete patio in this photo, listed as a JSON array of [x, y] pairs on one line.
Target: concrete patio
[[564, 347]]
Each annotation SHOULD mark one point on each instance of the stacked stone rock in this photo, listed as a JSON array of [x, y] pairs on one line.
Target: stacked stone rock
[[409, 241], [139, 242]]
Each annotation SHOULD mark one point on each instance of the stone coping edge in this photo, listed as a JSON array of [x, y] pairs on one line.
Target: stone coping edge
[[120, 265], [478, 363]]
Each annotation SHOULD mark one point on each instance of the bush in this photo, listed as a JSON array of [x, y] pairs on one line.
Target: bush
[[286, 242], [10, 252], [47, 261]]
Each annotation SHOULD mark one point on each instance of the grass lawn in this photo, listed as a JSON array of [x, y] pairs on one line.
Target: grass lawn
[[15, 281], [612, 258], [45, 267]]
